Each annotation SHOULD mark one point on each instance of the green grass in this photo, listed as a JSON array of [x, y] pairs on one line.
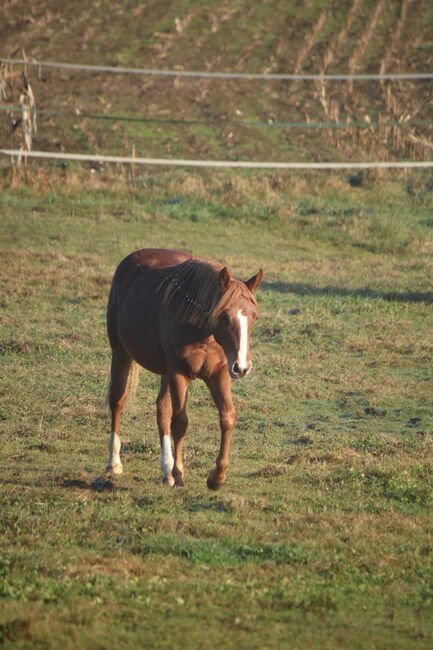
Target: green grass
[[322, 536]]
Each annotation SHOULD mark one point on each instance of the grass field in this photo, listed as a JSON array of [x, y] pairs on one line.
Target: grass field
[[322, 536]]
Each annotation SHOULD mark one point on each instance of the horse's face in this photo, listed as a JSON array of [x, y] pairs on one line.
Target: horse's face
[[233, 333], [234, 327]]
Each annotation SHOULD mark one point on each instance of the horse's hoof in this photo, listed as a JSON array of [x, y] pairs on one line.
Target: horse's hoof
[[168, 480], [115, 469], [178, 478], [214, 484]]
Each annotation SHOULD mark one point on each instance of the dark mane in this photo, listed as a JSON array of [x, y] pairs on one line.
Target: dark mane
[[193, 293]]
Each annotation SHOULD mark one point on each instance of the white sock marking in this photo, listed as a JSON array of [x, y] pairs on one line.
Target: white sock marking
[[243, 343], [114, 450], [167, 460]]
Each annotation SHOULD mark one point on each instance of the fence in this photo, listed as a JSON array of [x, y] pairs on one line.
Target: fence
[[28, 111], [422, 76], [219, 163]]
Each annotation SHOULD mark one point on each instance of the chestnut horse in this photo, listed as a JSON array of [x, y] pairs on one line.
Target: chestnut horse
[[180, 317]]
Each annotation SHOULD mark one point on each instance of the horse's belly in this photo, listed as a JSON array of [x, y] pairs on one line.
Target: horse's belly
[[141, 340]]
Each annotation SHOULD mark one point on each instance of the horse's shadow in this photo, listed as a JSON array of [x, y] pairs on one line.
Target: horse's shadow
[[97, 484], [305, 289]]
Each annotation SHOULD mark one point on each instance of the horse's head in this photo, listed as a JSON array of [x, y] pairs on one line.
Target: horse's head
[[236, 316]]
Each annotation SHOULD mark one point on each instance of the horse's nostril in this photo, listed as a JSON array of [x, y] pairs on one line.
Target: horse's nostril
[[235, 368]]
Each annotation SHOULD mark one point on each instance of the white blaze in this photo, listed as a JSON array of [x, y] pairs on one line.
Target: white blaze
[[167, 460], [243, 340]]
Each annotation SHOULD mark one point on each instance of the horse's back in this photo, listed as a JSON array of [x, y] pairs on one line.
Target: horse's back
[[136, 264], [158, 258]]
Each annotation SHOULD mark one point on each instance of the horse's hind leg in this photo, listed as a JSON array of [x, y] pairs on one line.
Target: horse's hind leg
[[118, 392], [164, 413]]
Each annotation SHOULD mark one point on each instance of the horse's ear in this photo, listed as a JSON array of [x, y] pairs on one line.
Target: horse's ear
[[254, 282], [224, 279]]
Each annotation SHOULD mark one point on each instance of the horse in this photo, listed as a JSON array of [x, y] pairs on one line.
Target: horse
[[180, 317]]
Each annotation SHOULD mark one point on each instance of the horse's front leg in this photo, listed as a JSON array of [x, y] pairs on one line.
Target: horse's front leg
[[164, 413], [179, 422], [220, 388]]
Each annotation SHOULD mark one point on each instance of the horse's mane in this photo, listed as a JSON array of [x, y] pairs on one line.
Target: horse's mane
[[193, 294]]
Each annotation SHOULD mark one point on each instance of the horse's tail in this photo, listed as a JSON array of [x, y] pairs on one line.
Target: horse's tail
[[133, 379], [131, 386], [118, 291]]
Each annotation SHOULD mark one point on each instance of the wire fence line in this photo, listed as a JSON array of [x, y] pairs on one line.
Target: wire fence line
[[99, 158], [419, 76], [231, 123], [25, 151]]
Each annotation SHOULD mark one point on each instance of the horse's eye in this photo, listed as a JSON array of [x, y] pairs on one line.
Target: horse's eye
[[225, 318]]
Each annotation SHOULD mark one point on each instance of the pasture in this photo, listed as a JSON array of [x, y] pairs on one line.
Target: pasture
[[322, 535]]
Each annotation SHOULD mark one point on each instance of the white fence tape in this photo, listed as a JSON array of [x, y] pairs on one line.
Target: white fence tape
[[217, 163], [420, 76]]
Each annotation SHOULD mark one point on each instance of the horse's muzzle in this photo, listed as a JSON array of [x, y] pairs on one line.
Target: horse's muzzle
[[237, 372]]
